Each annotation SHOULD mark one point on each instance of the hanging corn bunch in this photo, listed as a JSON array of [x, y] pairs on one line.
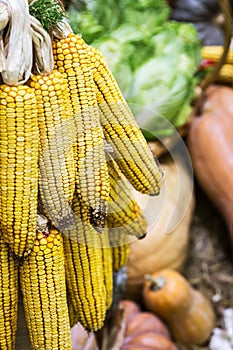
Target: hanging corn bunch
[[70, 151]]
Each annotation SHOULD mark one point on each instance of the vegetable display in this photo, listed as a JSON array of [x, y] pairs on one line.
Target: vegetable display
[[153, 59], [187, 311], [65, 127]]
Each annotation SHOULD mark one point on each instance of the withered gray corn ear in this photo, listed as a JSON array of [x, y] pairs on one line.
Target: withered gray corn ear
[[42, 279], [88, 278], [8, 297], [132, 153], [19, 140], [71, 58], [56, 156]]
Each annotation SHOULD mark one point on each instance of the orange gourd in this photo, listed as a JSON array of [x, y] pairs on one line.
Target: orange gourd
[[187, 312], [210, 143]]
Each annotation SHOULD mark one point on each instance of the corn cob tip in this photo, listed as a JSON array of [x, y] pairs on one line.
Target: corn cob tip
[[142, 236]]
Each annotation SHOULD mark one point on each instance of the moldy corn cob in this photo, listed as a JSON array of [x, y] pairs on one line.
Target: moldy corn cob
[[42, 279], [19, 140], [56, 156], [132, 154], [8, 297], [72, 60]]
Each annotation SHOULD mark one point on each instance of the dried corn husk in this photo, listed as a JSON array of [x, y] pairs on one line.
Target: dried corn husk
[[62, 29], [4, 15], [42, 48], [16, 42], [25, 47], [4, 18]]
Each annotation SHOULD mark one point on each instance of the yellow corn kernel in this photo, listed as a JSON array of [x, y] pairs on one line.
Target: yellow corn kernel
[[56, 157], [8, 297], [92, 182], [19, 140], [42, 279], [132, 153], [226, 74], [215, 52]]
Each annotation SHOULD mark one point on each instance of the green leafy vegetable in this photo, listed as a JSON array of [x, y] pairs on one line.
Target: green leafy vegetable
[[154, 59]]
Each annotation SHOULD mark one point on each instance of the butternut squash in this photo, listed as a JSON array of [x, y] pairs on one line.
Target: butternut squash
[[187, 312], [210, 143]]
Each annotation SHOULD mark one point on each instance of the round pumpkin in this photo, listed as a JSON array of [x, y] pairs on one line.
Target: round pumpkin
[[159, 249], [144, 330]]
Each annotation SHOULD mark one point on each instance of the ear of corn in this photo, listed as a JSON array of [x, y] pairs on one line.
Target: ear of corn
[[85, 272], [107, 262], [8, 297], [19, 139], [124, 213], [120, 249], [226, 74], [73, 316], [132, 153], [71, 58], [215, 52], [56, 158], [42, 279]]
